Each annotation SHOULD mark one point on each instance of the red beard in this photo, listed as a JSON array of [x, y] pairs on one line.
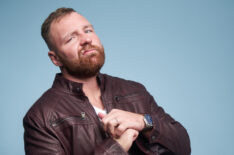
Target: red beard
[[87, 65]]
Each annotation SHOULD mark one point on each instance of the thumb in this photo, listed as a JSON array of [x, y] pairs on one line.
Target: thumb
[[101, 115], [135, 135]]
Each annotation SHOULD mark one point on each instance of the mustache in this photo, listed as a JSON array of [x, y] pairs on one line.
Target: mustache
[[89, 46]]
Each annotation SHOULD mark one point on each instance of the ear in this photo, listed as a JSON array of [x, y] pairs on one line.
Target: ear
[[54, 58]]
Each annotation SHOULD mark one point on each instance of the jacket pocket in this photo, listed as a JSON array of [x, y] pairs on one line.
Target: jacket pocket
[[129, 97], [134, 102], [70, 120], [76, 133]]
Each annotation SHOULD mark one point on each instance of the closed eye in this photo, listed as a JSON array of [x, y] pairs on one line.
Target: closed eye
[[70, 39]]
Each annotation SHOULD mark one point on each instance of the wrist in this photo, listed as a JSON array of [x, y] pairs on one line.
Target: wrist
[[142, 122]]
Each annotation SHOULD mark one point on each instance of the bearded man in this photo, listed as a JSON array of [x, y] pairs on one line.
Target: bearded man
[[86, 112]]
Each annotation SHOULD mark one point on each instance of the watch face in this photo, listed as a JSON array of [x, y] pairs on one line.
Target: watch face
[[149, 119]]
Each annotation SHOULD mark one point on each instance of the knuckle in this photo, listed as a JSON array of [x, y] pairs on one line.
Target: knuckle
[[104, 122], [137, 133], [109, 124], [121, 128]]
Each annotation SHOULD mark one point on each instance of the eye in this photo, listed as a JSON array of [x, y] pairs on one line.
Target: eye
[[70, 39], [88, 31]]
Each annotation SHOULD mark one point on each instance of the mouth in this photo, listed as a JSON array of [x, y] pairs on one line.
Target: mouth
[[89, 51]]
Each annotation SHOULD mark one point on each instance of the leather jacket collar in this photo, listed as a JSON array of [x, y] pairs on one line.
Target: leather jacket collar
[[74, 87]]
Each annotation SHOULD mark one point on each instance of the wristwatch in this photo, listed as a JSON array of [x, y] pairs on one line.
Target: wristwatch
[[148, 122]]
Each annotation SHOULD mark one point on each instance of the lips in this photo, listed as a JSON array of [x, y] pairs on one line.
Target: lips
[[88, 51]]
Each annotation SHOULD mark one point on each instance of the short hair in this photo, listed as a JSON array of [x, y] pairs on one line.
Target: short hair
[[45, 28]]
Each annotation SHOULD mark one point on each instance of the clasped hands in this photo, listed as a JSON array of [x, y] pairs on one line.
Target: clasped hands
[[123, 126]]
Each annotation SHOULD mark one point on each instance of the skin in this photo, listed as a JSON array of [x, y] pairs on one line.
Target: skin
[[118, 121], [69, 35], [127, 138]]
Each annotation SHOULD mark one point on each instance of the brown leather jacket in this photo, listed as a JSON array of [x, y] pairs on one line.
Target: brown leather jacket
[[63, 122]]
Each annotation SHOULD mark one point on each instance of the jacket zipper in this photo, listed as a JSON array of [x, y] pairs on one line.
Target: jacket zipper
[[58, 122], [117, 98]]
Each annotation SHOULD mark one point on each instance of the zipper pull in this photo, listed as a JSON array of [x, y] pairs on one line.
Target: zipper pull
[[82, 115]]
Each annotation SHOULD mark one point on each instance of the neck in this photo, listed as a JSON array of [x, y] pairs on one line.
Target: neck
[[90, 85], [90, 88]]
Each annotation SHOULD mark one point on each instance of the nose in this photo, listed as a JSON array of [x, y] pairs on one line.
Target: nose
[[85, 39]]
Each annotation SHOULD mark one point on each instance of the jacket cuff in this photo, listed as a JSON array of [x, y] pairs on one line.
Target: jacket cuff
[[152, 135], [109, 147]]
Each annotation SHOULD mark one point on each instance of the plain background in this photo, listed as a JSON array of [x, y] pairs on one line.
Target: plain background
[[181, 50]]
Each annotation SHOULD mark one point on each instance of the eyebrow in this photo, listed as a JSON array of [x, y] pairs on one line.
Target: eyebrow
[[87, 26]]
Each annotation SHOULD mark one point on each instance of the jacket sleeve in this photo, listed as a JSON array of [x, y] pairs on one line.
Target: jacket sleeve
[[167, 134], [38, 140], [109, 147]]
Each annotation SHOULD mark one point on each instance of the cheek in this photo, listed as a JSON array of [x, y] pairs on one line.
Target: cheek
[[96, 40], [70, 52]]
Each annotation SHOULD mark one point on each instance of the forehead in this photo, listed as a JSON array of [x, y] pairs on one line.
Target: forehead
[[72, 17], [68, 23]]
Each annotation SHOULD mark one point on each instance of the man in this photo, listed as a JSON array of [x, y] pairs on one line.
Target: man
[[86, 112]]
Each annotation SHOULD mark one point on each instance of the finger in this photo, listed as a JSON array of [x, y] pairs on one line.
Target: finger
[[108, 123], [108, 118], [111, 115], [132, 120], [101, 115], [133, 134], [120, 129], [111, 126]]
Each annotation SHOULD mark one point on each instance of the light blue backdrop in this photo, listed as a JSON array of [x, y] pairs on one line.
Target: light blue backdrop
[[181, 50]]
